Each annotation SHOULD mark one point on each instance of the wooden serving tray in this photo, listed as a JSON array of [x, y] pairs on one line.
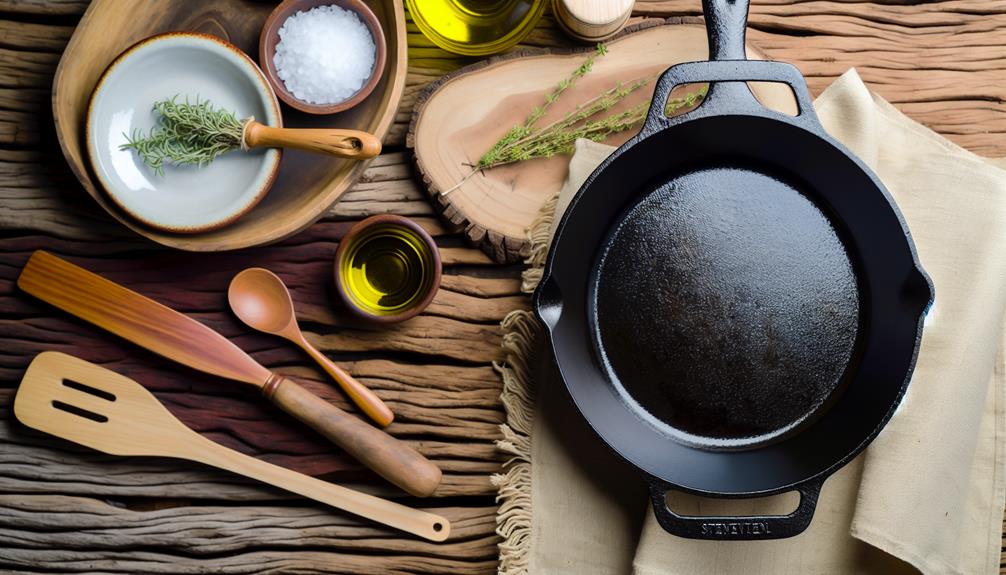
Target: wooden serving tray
[[460, 116], [307, 185]]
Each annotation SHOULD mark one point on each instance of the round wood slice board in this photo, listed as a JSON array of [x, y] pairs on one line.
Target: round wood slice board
[[460, 116], [307, 185]]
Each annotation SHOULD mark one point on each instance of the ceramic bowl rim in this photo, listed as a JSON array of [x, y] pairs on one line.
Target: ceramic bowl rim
[[266, 96]]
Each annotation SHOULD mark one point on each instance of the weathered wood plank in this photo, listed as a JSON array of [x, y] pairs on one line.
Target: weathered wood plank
[[34, 37], [44, 7], [48, 201], [259, 562], [37, 464], [940, 62], [465, 397], [823, 38], [21, 69], [922, 41], [48, 521]]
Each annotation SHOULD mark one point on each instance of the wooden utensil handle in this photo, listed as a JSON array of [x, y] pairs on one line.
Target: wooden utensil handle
[[421, 523], [362, 396], [343, 143], [392, 459]]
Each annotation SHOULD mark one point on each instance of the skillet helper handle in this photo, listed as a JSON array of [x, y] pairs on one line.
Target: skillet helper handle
[[352, 144], [727, 72], [749, 528], [389, 457], [727, 92]]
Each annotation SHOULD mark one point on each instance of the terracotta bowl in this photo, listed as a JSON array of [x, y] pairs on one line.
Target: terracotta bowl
[[270, 38]]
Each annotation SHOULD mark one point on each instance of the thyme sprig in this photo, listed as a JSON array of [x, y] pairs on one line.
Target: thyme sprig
[[527, 141], [186, 134]]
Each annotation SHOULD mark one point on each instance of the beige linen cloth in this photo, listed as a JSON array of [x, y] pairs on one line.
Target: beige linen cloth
[[927, 495]]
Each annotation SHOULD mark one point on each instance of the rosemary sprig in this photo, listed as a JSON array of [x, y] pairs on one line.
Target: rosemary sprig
[[527, 141], [520, 132], [186, 134], [548, 141]]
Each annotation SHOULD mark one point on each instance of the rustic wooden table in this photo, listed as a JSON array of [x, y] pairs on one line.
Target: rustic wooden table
[[65, 509]]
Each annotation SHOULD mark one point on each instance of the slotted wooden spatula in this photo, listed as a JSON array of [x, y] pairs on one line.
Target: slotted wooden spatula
[[87, 404]]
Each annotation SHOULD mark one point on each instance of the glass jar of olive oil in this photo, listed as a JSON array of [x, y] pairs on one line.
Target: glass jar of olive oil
[[476, 27]]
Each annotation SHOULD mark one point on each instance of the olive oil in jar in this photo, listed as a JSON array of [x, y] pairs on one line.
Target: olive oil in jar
[[476, 27]]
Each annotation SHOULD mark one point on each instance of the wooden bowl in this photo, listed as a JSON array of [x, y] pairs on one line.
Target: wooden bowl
[[307, 184], [270, 38]]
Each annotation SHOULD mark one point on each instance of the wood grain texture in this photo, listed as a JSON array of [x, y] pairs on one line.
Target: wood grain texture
[[394, 460], [337, 142], [452, 125], [260, 299], [306, 185], [144, 322], [68, 509], [89, 405]]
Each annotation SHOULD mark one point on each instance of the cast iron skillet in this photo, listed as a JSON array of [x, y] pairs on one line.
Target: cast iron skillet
[[732, 298]]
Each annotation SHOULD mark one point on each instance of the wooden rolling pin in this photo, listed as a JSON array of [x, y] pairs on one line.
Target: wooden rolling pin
[[167, 332]]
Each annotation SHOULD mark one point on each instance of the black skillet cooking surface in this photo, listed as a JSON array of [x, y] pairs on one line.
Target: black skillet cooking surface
[[732, 298], [734, 337]]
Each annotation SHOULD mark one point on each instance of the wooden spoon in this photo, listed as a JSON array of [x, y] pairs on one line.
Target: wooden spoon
[[260, 299], [352, 144], [97, 408]]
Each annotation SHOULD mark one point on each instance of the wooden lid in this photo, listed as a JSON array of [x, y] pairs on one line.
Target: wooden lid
[[592, 20]]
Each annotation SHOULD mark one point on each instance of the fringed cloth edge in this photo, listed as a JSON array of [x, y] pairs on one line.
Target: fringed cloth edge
[[520, 334]]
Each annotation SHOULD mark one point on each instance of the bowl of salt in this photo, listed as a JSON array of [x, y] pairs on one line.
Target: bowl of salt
[[322, 56]]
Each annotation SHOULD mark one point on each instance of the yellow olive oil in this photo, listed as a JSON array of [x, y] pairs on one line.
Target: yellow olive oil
[[476, 27], [387, 270]]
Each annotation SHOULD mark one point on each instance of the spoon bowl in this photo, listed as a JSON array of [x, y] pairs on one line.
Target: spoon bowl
[[261, 300]]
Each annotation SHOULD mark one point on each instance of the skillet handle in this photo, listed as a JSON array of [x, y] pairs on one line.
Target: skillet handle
[[726, 23], [719, 528], [727, 93]]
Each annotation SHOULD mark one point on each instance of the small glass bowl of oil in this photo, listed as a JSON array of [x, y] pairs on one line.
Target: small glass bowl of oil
[[387, 269], [476, 27]]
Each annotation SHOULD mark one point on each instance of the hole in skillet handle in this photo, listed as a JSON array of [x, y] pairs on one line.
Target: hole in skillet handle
[[775, 96], [728, 92], [727, 73], [735, 528]]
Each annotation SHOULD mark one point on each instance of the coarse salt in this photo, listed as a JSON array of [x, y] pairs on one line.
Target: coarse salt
[[324, 55]]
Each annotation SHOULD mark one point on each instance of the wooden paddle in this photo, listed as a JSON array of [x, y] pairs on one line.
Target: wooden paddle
[[167, 332], [87, 404]]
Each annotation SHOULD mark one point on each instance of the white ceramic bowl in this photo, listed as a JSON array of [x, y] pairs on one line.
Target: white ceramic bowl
[[186, 199]]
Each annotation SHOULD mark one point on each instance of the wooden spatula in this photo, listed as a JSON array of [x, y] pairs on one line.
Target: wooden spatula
[[92, 406], [176, 336]]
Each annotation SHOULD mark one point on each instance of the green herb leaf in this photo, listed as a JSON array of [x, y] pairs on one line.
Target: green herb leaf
[[186, 134], [527, 141]]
